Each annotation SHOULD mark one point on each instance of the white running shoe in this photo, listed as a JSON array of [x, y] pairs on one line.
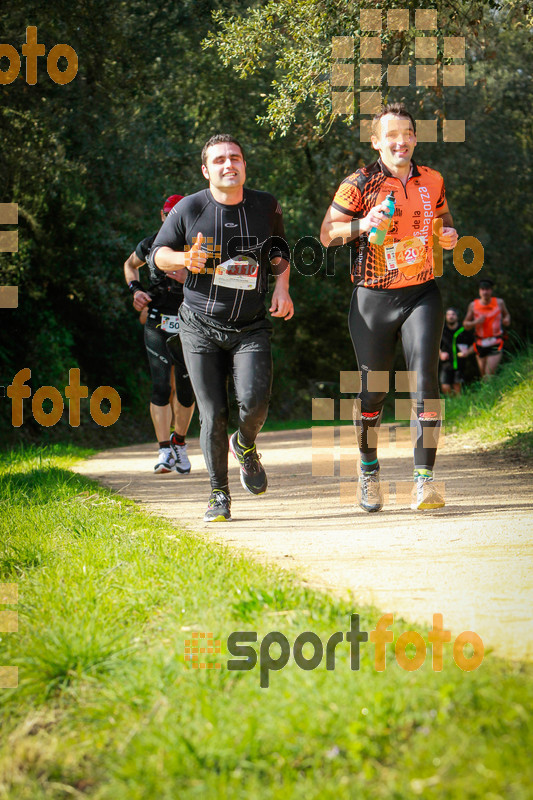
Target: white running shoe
[[369, 494], [166, 461], [181, 459], [425, 495]]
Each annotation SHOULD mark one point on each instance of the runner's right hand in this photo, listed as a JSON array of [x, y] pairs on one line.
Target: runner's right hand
[[195, 258], [373, 219]]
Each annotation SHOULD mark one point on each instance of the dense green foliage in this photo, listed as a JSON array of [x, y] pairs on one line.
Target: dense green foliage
[[90, 162], [107, 707], [499, 411]]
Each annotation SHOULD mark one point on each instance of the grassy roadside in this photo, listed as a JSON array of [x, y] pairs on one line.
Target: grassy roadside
[[492, 414], [107, 708], [500, 411]]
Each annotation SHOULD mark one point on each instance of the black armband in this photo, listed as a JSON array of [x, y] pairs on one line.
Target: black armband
[[135, 286]]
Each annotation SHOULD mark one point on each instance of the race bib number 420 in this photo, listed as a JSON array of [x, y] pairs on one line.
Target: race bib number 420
[[407, 255], [237, 273], [169, 323]]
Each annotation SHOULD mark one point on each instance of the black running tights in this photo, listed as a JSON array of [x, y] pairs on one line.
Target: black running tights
[[377, 318], [252, 378]]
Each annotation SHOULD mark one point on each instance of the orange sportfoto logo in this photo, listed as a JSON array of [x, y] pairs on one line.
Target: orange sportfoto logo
[[18, 390], [32, 49]]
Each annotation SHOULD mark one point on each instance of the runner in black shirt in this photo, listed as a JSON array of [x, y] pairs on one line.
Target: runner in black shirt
[[250, 231], [229, 239], [162, 301], [456, 345]]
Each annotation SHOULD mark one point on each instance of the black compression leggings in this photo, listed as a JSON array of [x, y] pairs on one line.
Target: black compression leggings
[[252, 377], [377, 318], [155, 341]]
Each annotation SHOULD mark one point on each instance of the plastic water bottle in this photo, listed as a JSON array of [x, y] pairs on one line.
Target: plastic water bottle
[[377, 234]]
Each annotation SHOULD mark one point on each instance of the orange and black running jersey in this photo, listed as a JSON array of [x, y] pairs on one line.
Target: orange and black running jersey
[[406, 257]]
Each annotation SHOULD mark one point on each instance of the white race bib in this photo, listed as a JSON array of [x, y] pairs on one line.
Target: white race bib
[[408, 255], [489, 341], [169, 323], [237, 273]]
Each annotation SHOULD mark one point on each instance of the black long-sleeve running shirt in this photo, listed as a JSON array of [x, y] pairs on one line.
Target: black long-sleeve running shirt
[[241, 239]]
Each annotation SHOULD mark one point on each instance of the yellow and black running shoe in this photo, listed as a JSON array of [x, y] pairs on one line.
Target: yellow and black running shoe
[[253, 475], [218, 507]]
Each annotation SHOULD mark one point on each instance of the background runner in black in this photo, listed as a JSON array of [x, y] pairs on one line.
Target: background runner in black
[[455, 347], [229, 239], [162, 301]]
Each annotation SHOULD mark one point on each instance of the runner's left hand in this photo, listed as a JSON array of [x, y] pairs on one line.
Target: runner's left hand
[[282, 305], [448, 238]]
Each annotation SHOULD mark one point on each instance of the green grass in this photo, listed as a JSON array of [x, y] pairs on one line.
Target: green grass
[[106, 707], [499, 411]]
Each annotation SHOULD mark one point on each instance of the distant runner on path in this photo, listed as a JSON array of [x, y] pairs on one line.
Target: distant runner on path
[[395, 295], [455, 347], [162, 301], [228, 239], [488, 315]]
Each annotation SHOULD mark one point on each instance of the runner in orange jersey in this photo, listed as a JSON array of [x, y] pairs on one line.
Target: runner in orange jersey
[[395, 295], [487, 315]]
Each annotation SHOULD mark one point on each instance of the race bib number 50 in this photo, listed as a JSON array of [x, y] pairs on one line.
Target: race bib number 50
[[169, 323], [237, 273]]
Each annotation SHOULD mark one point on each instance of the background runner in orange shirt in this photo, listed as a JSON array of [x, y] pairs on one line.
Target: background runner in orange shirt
[[487, 315]]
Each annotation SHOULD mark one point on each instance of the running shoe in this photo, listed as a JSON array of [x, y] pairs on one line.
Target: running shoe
[[166, 461], [369, 494], [253, 476], [425, 495], [218, 507], [183, 465]]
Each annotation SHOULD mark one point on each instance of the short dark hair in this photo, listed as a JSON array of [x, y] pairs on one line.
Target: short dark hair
[[220, 138], [391, 108], [486, 283]]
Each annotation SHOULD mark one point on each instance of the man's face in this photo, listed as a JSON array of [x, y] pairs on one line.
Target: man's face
[[225, 168], [451, 317], [396, 141], [485, 293]]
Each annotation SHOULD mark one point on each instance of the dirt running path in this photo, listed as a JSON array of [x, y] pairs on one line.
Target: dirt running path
[[470, 561]]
